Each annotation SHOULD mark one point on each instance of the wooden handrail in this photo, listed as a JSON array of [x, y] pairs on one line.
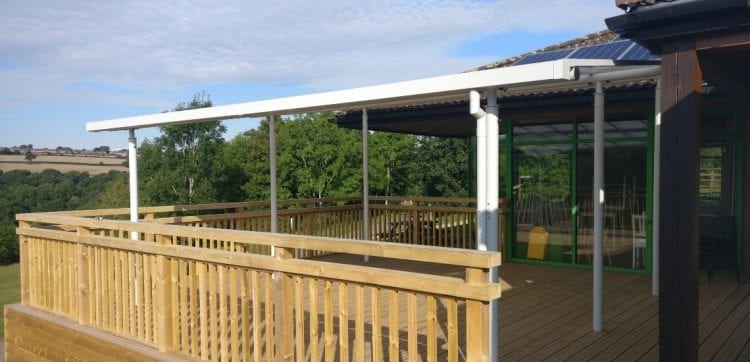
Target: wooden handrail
[[440, 255], [261, 203]]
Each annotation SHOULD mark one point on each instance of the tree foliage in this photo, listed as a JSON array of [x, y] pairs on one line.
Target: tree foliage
[[189, 164], [182, 165]]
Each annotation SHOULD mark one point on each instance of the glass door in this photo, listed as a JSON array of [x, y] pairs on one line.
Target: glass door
[[542, 184]]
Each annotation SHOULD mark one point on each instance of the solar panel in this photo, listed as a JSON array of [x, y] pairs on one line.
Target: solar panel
[[639, 53], [620, 50], [603, 51], [544, 57]]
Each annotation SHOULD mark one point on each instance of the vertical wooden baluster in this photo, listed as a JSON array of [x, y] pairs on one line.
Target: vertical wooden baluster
[[393, 327], [82, 261]]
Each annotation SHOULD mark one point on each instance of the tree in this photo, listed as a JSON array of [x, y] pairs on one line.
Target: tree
[[390, 157], [183, 165], [102, 149], [247, 159], [318, 158], [29, 156], [440, 167], [8, 244]]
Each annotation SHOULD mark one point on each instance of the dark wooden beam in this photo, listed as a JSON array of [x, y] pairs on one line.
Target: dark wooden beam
[[746, 119], [734, 38], [678, 297]]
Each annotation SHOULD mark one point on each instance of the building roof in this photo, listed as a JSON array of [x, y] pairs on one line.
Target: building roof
[[598, 37], [451, 119], [436, 89]]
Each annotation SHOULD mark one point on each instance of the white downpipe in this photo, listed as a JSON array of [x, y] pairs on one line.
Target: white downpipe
[[475, 109], [365, 180], [272, 159], [656, 191], [133, 178], [493, 194], [598, 205]]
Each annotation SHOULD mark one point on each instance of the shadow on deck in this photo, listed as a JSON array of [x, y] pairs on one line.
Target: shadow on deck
[[545, 313]]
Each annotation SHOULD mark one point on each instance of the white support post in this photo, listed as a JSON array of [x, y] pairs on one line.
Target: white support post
[[493, 194], [133, 178], [365, 180], [598, 205], [272, 160], [488, 188], [656, 191]]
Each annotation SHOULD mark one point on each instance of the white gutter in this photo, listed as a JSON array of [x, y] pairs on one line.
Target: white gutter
[[609, 74], [454, 86]]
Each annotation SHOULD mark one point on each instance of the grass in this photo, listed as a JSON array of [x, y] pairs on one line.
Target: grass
[[10, 289]]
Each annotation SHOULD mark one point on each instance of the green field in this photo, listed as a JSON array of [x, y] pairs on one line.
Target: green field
[[10, 289]]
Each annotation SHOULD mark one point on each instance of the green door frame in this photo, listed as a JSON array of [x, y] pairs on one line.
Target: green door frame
[[508, 175]]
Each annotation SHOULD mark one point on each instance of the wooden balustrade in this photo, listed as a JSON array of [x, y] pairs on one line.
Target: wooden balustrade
[[445, 222], [168, 291]]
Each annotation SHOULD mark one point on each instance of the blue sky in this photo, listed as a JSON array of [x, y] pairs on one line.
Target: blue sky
[[65, 63]]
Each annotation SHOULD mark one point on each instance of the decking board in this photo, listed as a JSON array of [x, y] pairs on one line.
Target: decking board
[[545, 313]]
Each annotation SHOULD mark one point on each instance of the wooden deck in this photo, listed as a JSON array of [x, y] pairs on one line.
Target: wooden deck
[[546, 314]]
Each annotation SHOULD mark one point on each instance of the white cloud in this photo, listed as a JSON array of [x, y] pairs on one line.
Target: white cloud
[[146, 47]]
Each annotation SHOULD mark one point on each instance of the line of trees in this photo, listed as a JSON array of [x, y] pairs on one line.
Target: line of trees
[[192, 164], [189, 164]]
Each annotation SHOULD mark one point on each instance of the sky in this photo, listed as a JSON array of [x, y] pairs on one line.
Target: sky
[[65, 63]]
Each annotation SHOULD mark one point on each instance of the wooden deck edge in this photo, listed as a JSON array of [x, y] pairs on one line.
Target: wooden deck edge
[[33, 334]]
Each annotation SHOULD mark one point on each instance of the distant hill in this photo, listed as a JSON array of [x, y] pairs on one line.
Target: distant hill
[[93, 164]]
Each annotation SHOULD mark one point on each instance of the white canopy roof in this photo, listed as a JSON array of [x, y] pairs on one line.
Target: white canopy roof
[[528, 77]]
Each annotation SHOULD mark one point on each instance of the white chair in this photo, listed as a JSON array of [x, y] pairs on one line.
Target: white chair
[[639, 238]]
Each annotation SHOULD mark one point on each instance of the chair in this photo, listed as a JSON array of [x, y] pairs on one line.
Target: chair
[[538, 238], [639, 238], [721, 234]]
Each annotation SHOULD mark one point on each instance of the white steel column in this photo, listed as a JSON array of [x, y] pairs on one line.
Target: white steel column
[[656, 192], [488, 139], [493, 194], [365, 180], [598, 204], [133, 178], [272, 159]]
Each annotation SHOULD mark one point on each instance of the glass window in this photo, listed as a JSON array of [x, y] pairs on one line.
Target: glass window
[[614, 129], [551, 131], [625, 166]]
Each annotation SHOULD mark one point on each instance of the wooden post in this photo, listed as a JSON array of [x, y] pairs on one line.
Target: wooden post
[[312, 219], [25, 264], [415, 224], [678, 302], [239, 224], [284, 310], [148, 218], [163, 303], [82, 261], [478, 317]]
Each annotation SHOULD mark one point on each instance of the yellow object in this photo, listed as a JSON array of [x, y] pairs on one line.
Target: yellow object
[[538, 238]]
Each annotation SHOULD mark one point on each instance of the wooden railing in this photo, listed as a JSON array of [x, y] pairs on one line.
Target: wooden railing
[[445, 222], [225, 303]]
